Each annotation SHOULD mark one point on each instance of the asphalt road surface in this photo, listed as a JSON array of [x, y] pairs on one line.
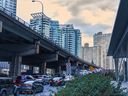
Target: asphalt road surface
[[48, 91]]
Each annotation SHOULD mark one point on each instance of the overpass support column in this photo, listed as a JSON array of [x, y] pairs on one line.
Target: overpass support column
[[60, 72], [11, 68], [43, 68], [58, 69], [18, 61], [31, 68], [117, 69], [126, 69], [126, 66], [77, 68], [15, 66], [68, 67]]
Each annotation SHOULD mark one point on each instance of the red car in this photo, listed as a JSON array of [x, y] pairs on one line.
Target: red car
[[56, 81]]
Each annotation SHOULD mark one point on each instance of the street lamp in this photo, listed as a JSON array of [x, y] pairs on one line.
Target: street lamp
[[42, 11]]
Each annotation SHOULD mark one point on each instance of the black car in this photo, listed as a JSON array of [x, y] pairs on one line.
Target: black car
[[6, 86]]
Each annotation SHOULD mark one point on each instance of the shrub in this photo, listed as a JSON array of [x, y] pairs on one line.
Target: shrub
[[91, 85]]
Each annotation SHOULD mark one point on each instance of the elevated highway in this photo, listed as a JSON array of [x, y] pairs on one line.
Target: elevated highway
[[19, 44]]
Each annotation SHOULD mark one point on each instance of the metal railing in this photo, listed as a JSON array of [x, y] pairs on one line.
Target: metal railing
[[28, 25]]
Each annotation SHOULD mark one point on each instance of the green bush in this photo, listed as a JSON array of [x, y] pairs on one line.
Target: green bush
[[91, 85]]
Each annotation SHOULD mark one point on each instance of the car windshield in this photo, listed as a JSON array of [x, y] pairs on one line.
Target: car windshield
[[29, 82], [29, 77], [57, 78]]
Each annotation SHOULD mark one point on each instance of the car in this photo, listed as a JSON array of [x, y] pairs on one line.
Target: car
[[46, 79], [68, 78], [40, 80], [6, 86], [22, 78], [85, 72], [30, 87], [57, 81]]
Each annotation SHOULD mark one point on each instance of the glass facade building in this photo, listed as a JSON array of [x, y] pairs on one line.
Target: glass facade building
[[71, 39], [55, 32], [9, 5], [64, 35], [36, 23]]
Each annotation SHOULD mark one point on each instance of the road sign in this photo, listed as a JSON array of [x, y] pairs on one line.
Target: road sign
[[0, 26]]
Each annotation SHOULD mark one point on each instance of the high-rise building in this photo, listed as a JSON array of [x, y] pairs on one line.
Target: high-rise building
[[55, 32], [103, 41], [64, 35], [92, 54], [98, 53], [36, 23], [9, 5], [71, 39]]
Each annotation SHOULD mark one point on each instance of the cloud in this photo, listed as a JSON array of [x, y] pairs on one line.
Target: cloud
[[76, 6], [90, 16], [89, 28], [86, 39]]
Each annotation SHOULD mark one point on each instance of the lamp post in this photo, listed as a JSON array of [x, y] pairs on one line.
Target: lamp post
[[42, 11]]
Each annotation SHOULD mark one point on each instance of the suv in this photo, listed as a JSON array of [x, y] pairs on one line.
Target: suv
[[6, 86]]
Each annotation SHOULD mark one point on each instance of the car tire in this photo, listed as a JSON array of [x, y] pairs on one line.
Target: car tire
[[16, 93], [4, 93], [34, 92], [42, 89]]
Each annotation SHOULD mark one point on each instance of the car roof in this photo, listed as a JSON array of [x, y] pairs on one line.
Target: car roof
[[29, 82]]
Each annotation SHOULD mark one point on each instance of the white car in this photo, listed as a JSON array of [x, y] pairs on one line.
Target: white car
[[85, 72], [69, 78], [97, 70]]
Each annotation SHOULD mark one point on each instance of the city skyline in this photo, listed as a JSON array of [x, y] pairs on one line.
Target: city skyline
[[88, 16]]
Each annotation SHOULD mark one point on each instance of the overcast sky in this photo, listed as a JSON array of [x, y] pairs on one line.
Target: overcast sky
[[90, 16]]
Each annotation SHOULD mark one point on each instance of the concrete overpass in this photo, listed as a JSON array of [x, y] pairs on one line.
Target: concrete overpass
[[19, 44], [119, 42]]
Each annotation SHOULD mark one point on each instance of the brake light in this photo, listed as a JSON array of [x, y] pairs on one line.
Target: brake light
[[18, 84], [59, 80]]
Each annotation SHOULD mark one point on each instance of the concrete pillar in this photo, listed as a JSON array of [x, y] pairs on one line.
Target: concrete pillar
[[77, 68], [74, 69], [31, 68], [18, 61], [117, 69], [43, 68], [15, 66], [57, 70], [11, 68], [60, 72], [126, 69], [68, 67]]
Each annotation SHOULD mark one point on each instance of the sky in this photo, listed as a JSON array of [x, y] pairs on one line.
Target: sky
[[90, 16]]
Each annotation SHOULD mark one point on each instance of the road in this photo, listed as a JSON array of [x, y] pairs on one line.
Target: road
[[48, 91]]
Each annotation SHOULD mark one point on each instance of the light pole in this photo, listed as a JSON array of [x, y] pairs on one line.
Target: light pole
[[42, 12]]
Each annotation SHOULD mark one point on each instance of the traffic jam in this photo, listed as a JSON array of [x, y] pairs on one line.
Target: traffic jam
[[37, 85]]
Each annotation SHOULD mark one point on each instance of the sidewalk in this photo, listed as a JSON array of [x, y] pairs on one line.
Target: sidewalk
[[124, 85]]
